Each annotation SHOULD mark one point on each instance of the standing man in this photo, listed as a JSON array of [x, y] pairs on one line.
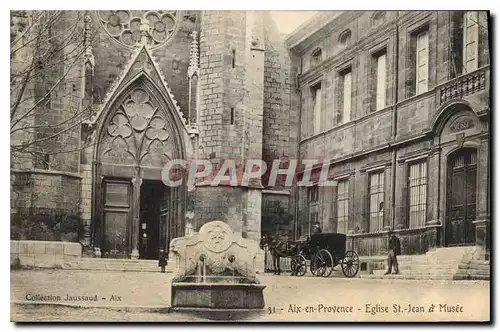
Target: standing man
[[394, 251]]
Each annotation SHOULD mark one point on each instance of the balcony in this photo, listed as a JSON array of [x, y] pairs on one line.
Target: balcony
[[464, 85]]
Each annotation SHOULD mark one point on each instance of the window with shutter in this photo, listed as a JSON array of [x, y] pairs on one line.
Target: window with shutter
[[417, 194], [313, 205], [344, 115], [342, 206], [422, 65], [471, 35], [317, 111], [376, 201], [380, 87]]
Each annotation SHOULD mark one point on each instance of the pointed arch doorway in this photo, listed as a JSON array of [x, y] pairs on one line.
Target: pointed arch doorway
[[135, 214]]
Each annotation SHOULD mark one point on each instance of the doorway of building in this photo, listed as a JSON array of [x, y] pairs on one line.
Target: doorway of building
[[154, 213], [117, 203], [461, 197]]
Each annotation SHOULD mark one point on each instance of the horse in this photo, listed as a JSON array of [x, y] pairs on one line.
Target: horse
[[278, 249]]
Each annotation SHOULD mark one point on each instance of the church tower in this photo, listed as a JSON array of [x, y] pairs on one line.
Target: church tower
[[230, 115]]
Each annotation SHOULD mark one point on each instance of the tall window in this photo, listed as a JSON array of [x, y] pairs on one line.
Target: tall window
[[317, 111], [422, 64], [342, 206], [417, 194], [376, 201], [344, 114], [471, 36], [313, 203], [380, 82]]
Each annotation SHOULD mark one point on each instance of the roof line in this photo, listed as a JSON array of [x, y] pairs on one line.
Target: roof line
[[311, 26]]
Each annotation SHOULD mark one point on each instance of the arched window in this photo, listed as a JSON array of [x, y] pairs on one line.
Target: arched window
[[316, 57], [378, 18], [345, 37]]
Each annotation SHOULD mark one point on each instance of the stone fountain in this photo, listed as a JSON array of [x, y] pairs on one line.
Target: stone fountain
[[216, 273]]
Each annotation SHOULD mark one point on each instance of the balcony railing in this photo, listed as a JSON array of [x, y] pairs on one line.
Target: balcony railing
[[464, 85]]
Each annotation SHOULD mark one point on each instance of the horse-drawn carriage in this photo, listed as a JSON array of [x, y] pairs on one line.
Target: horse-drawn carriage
[[322, 252]]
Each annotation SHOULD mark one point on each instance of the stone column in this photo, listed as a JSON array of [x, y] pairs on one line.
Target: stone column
[[399, 212], [482, 222], [433, 182], [136, 207], [97, 202], [388, 210]]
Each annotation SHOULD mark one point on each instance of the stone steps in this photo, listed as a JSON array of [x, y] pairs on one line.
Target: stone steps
[[455, 263], [428, 277], [403, 276], [110, 264]]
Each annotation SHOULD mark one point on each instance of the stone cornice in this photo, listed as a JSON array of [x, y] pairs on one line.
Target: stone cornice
[[47, 172]]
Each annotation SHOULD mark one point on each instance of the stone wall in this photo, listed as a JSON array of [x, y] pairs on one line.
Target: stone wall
[[212, 113], [277, 216], [219, 203], [45, 206], [43, 254], [277, 85]]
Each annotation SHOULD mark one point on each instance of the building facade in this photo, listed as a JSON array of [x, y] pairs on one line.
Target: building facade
[[397, 103], [147, 88]]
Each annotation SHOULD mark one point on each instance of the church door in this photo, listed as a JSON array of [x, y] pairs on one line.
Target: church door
[[117, 216]]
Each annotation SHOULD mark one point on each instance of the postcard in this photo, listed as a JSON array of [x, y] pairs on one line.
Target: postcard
[[250, 166]]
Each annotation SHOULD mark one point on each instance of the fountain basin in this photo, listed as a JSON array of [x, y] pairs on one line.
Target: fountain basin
[[217, 296]]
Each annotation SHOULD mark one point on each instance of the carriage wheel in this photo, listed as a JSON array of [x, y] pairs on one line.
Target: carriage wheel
[[298, 265], [350, 264], [322, 263]]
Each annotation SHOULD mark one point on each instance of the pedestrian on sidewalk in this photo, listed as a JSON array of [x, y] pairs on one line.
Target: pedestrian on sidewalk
[[162, 260], [394, 251]]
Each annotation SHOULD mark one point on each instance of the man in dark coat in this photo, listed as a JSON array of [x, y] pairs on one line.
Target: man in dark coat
[[162, 260], [394, 251], [316, 228]]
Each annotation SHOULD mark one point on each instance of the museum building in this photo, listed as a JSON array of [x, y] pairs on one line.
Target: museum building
[[398, 102]]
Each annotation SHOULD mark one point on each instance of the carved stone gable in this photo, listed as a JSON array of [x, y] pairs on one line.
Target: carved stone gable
[[138, 132]]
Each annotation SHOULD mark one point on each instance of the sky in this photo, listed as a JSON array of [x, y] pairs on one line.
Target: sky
[[288, 20]]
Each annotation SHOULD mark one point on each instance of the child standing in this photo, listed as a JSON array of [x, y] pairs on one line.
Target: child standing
[[162, 260]]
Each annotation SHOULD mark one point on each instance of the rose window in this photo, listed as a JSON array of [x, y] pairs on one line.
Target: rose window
[[127, 26]]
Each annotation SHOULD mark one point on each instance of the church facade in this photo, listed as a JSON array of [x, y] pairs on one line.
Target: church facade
[[395, 102], [151, 86]]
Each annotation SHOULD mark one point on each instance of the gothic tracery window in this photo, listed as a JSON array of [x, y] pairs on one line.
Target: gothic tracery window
[[138, 133]]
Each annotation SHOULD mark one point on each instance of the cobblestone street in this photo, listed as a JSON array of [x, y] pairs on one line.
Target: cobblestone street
[[130, 296]]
